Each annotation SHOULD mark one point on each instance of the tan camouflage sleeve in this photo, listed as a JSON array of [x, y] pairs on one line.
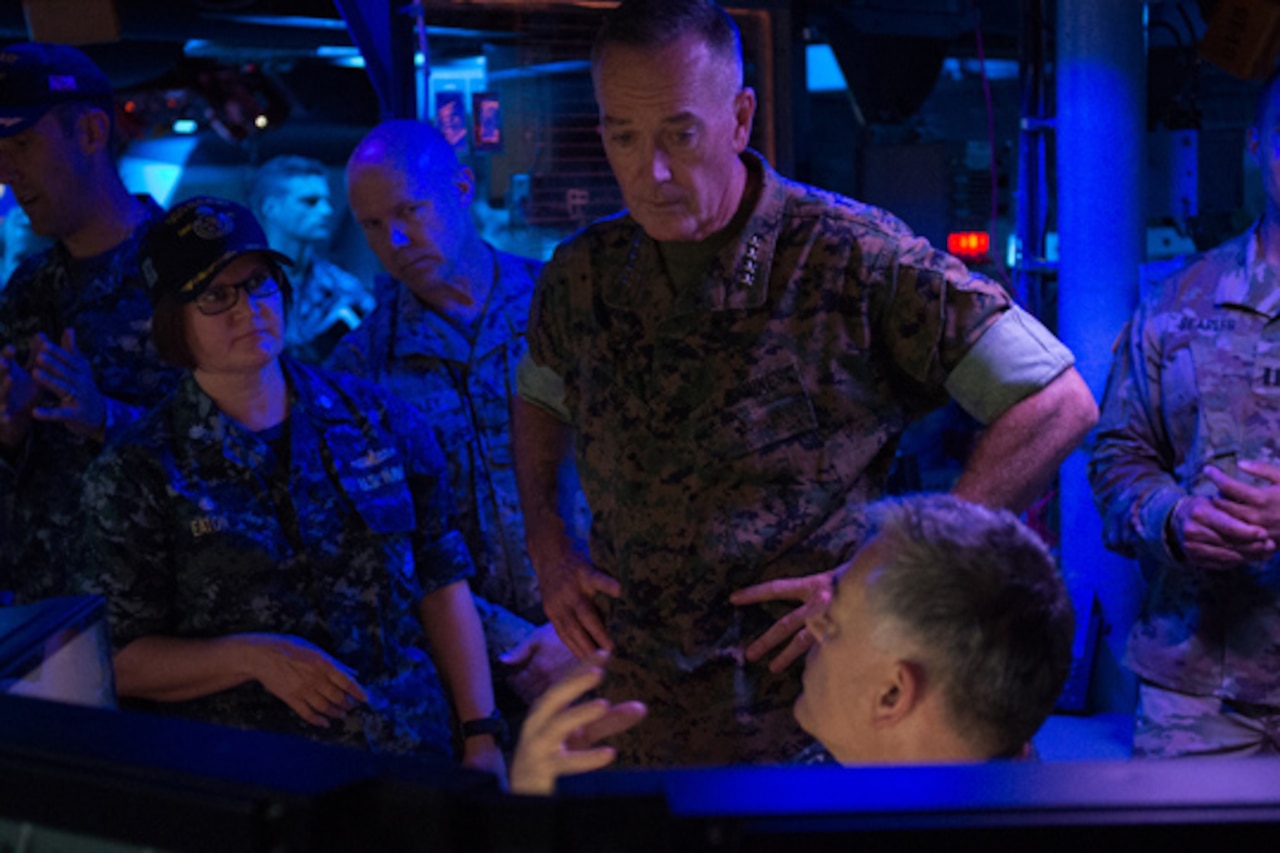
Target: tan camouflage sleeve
[[1013, 359], [1131, 466]]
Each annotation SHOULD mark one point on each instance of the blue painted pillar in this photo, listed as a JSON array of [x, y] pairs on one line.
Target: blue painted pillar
[[1100, 72]]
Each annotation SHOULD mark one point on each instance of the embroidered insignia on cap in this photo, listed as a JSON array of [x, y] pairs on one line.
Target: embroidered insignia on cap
[[62, 83], [212, 225]]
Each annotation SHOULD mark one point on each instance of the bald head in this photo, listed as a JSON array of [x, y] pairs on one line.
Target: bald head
[[409, 146], [412, 199]]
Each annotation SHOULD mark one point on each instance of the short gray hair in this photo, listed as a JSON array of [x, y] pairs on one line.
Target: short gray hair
[[658, 23], [979, 593]]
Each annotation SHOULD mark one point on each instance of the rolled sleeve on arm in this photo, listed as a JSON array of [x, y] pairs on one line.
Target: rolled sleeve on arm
[[442, 561], [1015, 357], [440, 552], [541, 387]]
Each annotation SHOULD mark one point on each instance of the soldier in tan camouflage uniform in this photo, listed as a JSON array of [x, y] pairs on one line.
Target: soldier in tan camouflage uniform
[[737, 356], [1186, 474], [447, 335]]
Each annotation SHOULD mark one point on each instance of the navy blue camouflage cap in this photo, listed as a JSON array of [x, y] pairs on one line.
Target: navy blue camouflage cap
[[35, 77], [186, 248]]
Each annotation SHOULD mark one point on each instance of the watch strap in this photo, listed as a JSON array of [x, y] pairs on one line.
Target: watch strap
[[494, 724]]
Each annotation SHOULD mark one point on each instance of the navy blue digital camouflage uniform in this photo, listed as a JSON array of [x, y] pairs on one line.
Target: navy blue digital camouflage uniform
[[106, 302], [733, 433], [197, 529], [465, 387]]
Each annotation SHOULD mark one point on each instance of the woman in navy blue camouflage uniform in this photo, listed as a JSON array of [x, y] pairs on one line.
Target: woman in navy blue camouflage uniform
[[274, 541]]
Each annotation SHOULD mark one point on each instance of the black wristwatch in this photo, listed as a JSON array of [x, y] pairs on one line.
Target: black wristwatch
[[494, 724]]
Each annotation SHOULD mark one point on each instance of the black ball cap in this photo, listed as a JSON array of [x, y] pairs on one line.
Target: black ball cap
[[187, 247], [35, 76]]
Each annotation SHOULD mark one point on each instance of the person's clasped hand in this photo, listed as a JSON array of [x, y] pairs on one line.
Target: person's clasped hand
[[1224, 532], [65, 373]]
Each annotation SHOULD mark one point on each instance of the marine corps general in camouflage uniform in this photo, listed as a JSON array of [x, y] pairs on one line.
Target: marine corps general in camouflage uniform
[[465, 386], [104, 301], [331, 528], [731, 429], [1196, 385]]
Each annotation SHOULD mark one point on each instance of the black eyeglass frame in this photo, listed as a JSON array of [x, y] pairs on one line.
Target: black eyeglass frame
[[261, 284]]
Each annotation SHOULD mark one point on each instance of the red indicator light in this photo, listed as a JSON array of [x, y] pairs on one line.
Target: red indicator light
[[969, 244]]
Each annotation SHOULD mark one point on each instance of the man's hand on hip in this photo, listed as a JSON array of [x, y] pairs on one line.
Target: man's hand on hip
[[814, 594], [569, 583]]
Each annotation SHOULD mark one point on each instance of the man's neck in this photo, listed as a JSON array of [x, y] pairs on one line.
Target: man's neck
[[114, 214], [929, 736], [257, 400], [298, 250], [1269, 234]]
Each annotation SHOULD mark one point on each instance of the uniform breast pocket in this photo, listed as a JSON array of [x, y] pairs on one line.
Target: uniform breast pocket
[[388, 508], [761, 416], [373, 478]]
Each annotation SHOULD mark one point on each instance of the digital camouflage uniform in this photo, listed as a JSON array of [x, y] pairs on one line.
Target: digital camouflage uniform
[[328, 302], [194, 530], [105, 301], [1195, 381], [734, 434], [465, 388]]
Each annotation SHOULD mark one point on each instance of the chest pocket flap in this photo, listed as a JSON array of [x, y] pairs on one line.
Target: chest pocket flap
[[762, 412], [374, 479]]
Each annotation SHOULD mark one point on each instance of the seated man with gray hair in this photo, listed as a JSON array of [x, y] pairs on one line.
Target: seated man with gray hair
[[947, 638]]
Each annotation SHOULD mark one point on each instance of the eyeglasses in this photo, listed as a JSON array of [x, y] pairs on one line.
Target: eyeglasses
[[221, 298]]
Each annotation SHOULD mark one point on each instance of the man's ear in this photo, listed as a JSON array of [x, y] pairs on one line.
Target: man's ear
[[269, 205], [465, 181], [744, 111], [900, 695], [93, 131]]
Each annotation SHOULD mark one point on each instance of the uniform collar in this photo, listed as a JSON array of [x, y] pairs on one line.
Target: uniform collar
[[120, 261], [738, 278], [209, 430], [421, 331], [207, 427]]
